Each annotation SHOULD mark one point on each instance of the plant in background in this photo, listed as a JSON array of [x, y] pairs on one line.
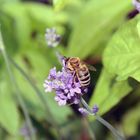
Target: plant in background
[[52, 38], [117, 82], [71, 83], [16, 90]]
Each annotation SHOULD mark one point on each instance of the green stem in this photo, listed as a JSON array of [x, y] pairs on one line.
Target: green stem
[[104, 122], [39, 94], [88, 127], [13, 82]]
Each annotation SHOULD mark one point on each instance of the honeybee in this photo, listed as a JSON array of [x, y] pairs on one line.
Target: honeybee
[[80, 70]]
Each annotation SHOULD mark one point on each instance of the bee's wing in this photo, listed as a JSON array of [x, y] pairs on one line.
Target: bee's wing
[[90, 67], [61, 58]]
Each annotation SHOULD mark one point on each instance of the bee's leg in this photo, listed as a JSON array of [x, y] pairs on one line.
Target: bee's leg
[[78, 78], [74, 77]]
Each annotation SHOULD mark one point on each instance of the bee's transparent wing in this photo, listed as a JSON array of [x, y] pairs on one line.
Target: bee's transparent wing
[[61, 58], [90, 67]]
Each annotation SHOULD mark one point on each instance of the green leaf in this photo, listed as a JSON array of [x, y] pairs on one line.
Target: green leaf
[[122, 55], [109, 92], [95, 26], [9, 117]]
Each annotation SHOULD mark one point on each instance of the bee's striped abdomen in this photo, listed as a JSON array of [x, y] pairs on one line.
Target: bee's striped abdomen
[[84, 77]]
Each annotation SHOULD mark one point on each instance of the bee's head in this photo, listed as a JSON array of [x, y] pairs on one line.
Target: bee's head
[[73, 63]]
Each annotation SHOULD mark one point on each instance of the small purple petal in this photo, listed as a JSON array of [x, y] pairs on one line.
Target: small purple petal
[[52, 74], [52, 38], [66, 90], [58, 92], [62, 102], [62, 96], [95, 109], [76, 101], [77, 84], [47, 86], [77, 90], [70, 95], [83, 111], [63, 63], [136, 3]]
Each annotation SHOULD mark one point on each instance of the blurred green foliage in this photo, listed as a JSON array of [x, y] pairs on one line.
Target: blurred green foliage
[[87, 27], [124, 45], [95, 26]]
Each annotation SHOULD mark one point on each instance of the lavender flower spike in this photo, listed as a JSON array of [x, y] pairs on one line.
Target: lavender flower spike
[[66, 89], [52, 38], [136, 3]]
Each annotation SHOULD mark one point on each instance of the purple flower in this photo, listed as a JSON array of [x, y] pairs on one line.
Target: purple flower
[[83, 111], [62, 83], [136, 3], [52, 38], [95, 109], [52, 74]]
